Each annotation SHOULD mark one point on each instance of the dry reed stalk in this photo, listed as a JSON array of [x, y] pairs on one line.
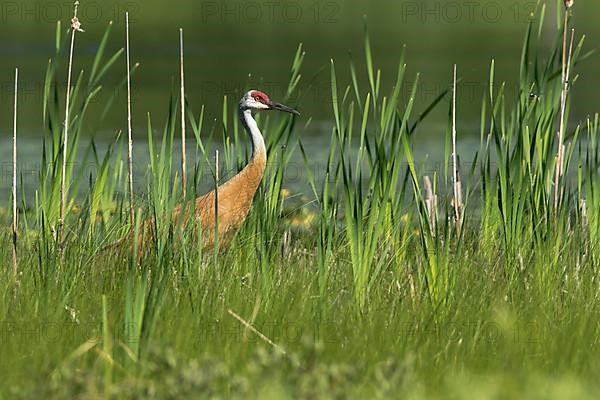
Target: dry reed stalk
[[565, 70], [14, 181], [584, 214], [129, 129], [75, 27], [216, 205], [257, 332], [457, 197], [183, 146], [565, 73], [431, 204]]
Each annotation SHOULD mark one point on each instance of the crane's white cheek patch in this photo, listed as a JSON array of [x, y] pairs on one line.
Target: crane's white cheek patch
[[254, 105], [258, 105]]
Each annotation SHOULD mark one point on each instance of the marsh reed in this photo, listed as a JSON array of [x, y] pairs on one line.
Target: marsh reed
[[129, 128], [14, 181], [75, 27]]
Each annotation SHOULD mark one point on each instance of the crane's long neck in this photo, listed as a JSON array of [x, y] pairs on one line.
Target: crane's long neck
[[259, 150], [235, 195]]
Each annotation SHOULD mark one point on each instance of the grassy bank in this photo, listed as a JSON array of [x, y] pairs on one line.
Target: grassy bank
[[475, 281]]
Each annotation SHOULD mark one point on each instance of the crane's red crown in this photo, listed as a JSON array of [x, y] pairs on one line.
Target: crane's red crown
[[260, 97]]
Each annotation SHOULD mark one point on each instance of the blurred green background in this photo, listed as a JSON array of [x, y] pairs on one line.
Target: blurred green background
[[233, 45]]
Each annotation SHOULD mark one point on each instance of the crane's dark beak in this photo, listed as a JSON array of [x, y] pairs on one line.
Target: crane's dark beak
[[283, 107]]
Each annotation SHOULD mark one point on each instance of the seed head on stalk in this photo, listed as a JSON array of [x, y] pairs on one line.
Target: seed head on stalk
[[75, 27]]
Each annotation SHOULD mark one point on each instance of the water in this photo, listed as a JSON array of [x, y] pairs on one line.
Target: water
[[231, 46]]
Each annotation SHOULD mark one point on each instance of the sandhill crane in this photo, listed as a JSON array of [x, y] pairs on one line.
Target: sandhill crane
[[235, 196]]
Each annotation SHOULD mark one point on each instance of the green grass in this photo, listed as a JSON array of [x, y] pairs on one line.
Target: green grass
[[368, 299]]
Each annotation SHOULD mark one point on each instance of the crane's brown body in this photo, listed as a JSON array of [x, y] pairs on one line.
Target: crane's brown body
[[232, 203]]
